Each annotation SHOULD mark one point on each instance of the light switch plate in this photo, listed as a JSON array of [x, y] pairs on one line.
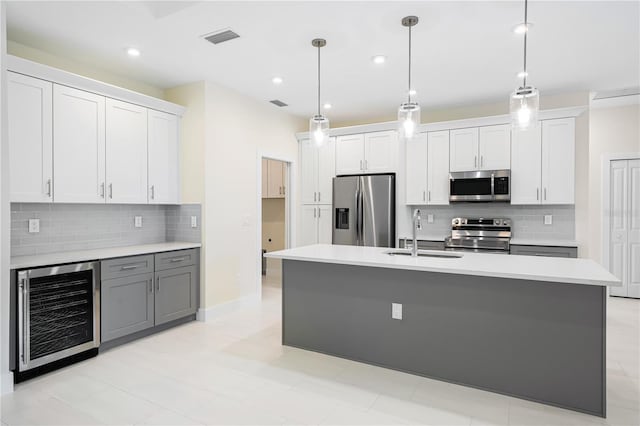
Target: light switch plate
[[548, 219], [396, 311], [429, 218], [194, 221], [34, 225], [137, 221]]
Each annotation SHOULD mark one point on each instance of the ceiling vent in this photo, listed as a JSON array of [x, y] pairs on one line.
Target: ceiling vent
[[220, 36], [278, 102]]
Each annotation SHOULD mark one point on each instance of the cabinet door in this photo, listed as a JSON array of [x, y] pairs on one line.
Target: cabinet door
[[526, 166], [308, 171], [326, 170], [438, 167], [79, 139], [308, 232], [494, 147], [126, 306], [416, 170], [558, 161], [325, 235], [175, 296], [276, 179], [265, 178], [29, 122], [380, 152], [126, 153], [350, 155], [164, 173], [463, 150]]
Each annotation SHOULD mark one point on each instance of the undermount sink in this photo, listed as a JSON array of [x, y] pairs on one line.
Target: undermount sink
[[427, 253]]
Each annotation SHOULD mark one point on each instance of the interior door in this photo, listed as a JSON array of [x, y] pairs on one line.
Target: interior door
[[79, 139], [380, 152], [438, 168], [494, 147], [558, 161], [349, 154], [309, 171], [416, 170], [326, 170], [163, 158], [526, 166], [463, 150], [634, 228], [29, 105], [618, 255], [126, 141]]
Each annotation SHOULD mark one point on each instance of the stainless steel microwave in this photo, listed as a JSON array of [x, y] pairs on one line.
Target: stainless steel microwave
[[479, 186]]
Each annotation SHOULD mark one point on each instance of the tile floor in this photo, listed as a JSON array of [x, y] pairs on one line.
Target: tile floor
[[234, 371]]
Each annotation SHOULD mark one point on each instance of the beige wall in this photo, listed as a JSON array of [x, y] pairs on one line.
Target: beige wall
[[273, 222], [36, 55], [612, 130]]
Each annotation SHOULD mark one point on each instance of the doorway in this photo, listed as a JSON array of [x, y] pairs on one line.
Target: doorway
[[275, 201]]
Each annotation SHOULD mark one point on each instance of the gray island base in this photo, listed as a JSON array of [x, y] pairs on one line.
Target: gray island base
[[535, 340]]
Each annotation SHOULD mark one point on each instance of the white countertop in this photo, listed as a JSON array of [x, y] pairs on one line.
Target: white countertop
[[541, 242], [21, 262], [553, 269]]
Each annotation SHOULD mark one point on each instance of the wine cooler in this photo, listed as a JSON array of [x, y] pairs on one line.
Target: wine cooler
[[58, 313]]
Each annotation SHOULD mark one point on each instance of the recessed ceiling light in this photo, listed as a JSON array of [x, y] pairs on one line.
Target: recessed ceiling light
[[327, 106], [132, 51], [379, 59], [523, 74], [522, 28], [276, 80]]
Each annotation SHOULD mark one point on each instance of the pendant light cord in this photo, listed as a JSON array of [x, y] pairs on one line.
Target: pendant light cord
[[318, 80], [526, 26], [409, 90]]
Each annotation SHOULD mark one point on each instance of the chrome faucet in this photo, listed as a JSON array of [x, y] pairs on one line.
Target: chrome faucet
[[417, 225]]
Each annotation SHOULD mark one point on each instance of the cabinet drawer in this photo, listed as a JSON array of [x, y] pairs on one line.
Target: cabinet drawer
[[549, 251], [126, 266], [176, 259]]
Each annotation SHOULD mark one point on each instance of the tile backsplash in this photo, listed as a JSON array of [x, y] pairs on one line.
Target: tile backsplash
[[67, 227], [527, 221]]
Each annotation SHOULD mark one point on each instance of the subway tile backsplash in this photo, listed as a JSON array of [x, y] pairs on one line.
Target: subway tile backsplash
[[68, 227]]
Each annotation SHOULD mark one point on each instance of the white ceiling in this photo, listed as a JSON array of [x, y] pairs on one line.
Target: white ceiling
[[464, 52]]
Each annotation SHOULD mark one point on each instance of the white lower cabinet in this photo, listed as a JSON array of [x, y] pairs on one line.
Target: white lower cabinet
[[79, 140], [315, 225], [29, 105], [126, 153], [427, 168], [163, 154]]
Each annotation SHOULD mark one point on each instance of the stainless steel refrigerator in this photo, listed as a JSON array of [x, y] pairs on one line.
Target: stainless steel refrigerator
[[364, 210]]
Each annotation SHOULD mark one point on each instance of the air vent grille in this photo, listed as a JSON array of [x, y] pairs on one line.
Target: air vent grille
[[220, 36], [278, 102]]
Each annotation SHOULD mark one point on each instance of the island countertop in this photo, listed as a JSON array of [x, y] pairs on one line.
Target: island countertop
[[534, 268]]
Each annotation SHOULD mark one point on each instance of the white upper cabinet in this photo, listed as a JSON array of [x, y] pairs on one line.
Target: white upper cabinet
[[463, 149], [317, 171], [126, 153], [375, 152], [526, 166], [308, 171], [494, 147], [326, 171], [275, 176], [30, 138], [79, 140], [164, 166], [416, 170], [558, 161], [438, 167]]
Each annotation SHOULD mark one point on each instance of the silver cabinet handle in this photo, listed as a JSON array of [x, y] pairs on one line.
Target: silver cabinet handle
[[177, 259], [111, 190], [429, 195], [102, 189], [48, 187], [319, 211], [151, 286], [314, 213], [319, 196], [537, 194], [424, 195], [314, 196], [157, 284], [475, 162], [128, 268], [545, 194], [153, 192]]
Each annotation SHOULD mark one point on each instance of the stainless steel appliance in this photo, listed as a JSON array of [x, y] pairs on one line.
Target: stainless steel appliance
[[478, 186], [58, 313], [364, 210], [479, 235]]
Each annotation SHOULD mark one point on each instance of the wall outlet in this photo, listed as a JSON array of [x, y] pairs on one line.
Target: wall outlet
[[194, 221], [396, 311], [548, 219], [137, 221], [34, 225], [429, 218]]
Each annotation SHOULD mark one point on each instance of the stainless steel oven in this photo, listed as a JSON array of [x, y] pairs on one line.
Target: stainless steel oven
[[58, 313], [478, 186]]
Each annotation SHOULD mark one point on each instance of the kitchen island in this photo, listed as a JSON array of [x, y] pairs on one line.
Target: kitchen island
[[529, 327]]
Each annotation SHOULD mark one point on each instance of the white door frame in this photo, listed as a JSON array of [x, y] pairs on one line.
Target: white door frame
[[607, 159], [289, 203]]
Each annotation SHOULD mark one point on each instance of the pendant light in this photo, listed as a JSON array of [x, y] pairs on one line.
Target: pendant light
[[409, 112], [525, 100], [319, 124]]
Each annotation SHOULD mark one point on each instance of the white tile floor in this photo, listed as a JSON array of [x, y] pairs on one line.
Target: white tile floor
[[235, 371]]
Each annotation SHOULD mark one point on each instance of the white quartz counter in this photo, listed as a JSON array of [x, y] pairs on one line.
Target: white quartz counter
[[21, 262], [553, 269]]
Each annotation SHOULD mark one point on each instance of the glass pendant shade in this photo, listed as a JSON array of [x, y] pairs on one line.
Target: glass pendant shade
[[319, 129], [408, 119], [523, 106]]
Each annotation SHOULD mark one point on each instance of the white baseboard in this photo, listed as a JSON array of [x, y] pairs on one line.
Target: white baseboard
[[216, 311], [6, 382]]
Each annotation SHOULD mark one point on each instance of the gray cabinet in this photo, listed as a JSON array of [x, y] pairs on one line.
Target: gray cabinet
[[175, 259], [175, 295], [550, 251], [126, 305], [126, 266]]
